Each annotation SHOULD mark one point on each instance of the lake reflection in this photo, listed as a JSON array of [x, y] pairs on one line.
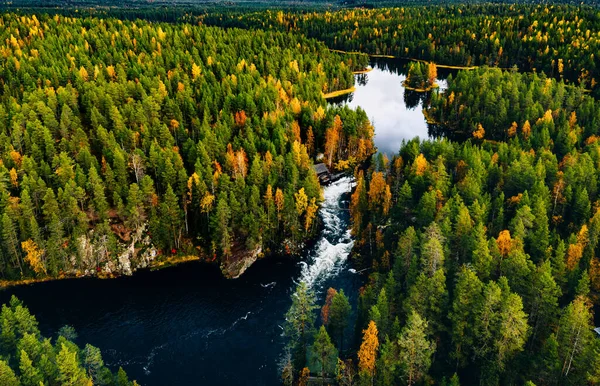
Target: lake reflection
[[396, 113]]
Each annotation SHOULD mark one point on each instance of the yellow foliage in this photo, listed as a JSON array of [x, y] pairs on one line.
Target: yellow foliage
[[479, 133], [526, 130], [319, 114], [34, 256], [301, 201], [207, 203], [83, 73], [311, 213], [512, 130], [296, 106], [505, 242], [574, 254], [367, 353], [420, 165], [279, 201], [14, 177]]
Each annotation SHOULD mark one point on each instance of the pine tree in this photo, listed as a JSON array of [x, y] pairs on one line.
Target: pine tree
[[415, 350], [300, 322], [70, 373], [7, 375], [339, 316], [325, 352]]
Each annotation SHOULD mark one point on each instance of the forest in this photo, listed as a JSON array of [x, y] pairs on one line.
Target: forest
[[36, 360], [135, 140], [482, 253], [560, 40], [122, 143]]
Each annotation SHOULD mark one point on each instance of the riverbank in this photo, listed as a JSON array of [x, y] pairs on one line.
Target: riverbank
[[334, 94], [153, 266], [416, 89]]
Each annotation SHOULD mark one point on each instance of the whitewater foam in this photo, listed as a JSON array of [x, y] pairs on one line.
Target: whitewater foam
[[333, 248]]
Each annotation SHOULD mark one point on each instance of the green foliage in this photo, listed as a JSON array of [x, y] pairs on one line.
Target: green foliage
[[500, 252], [31, 360], [140, 140]]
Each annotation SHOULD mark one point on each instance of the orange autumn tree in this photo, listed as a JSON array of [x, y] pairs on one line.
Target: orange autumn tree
[[332, 138], [575, 251], [505, 242], [479, 133], [331, 292], [34, 256], [379, 192], [431, 73], [367, 354], [358, 203]]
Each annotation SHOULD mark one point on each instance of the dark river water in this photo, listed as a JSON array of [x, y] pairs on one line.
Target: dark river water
[[187, 325]]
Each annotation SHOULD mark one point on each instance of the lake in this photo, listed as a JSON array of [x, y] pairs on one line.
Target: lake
[[396, 113], [187, 325]]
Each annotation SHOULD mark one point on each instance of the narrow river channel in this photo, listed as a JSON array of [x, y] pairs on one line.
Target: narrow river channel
[[187, 325]]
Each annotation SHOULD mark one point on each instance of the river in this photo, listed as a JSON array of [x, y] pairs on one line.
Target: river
[[187, 325]]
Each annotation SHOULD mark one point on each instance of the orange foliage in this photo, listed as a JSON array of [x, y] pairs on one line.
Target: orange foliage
[[368, 349], [304, 375], [310, 140], [378, 192], [505, 242], [269, 195], [332, 138], [16, 157], [331, 292], [279, 200], [479, 133], [526, 130], [296, 131], [512, 130], [572, 120], [240, 118], [574, 254]]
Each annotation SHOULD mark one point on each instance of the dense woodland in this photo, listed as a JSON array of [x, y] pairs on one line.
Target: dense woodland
[[562, 41], [483, 254], [123, 140], [120, 141], [29, 359]]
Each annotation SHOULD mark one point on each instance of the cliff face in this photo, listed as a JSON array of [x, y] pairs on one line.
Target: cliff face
[[234, 266]]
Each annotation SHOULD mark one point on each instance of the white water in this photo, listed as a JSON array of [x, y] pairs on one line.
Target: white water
[[331, 252]]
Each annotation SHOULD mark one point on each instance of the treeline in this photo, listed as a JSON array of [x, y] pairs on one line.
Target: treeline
[[499, 105], [29, 359], [560, 40], [122, 141], [483, 255]]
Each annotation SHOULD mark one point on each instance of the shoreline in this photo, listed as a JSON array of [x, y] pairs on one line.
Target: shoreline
[[416, 89], [154, 266], [334, 94], [447, 66]]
